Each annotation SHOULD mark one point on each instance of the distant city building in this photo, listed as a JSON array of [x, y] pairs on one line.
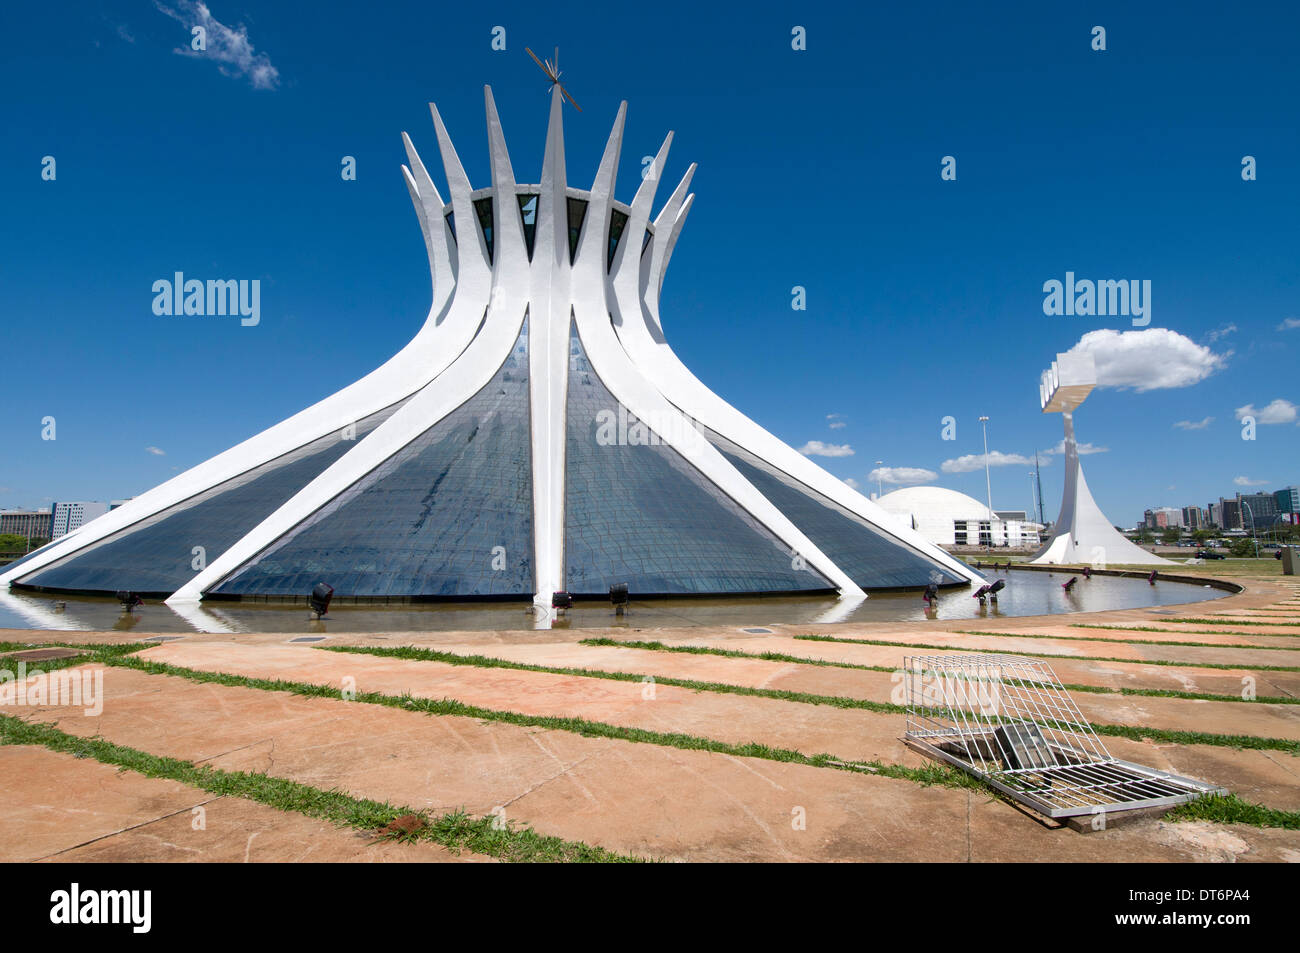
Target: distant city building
[[68, 517], [1163, 517], [1288, 501], [1229, 514], [1258, 510], [34, 524], [1194, 518]]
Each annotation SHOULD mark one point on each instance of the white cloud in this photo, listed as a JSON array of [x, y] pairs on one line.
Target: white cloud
[[1278, 412], [1083, 449], [1222, 332], [228, 46], [156, 452], [975, 461], [1194, 425], [853, 483], [1247, 481], [815, 448], [835, 421], [902, 476], [1153, 359], [1289, 324]]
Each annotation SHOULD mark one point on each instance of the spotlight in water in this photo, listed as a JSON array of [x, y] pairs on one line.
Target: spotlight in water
[[995, 589], [931, 595], [129, 599], [981, 593], [1070, 585], [618, 597], [1152, 578], [320, 597], [561, 601], [1087, 572]]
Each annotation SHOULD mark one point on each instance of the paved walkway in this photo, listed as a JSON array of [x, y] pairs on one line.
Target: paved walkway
[[641, 797]]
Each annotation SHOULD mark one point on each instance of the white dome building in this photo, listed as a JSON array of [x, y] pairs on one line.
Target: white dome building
[[948, 518]]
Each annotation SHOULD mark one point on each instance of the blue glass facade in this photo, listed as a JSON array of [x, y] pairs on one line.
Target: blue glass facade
[[640, 514], [450, 515], [870, 559], [157, 555]]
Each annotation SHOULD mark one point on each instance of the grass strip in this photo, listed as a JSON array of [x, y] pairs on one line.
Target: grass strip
[[88, 653], [1220, 621], [1151, 628], [580, 726], [483, 661], [1048, 655], [801, 660], [1124, 628], [1230, 809], [456, 830], [1135, 732]]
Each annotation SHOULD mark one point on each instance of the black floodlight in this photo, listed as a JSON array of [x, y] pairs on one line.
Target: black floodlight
[[618, 597], [1070, 585], [320, 597], [561, 600], [129, 599]]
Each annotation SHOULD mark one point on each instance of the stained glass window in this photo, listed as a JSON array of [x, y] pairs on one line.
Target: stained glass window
[[449, 515], [870, 559], [637, 512], [160, 554]]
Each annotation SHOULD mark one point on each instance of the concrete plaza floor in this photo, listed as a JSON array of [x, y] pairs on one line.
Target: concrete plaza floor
[[636, 794]]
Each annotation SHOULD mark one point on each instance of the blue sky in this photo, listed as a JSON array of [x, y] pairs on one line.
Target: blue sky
[[818, 168]]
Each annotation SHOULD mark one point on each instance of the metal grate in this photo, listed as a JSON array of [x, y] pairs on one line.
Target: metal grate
[[1008, 720]]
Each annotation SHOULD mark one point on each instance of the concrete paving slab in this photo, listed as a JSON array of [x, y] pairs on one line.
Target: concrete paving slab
[[624, 796], [1121, 674], [57, 807]]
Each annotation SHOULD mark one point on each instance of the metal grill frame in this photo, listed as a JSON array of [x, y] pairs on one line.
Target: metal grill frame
[[968, 710]]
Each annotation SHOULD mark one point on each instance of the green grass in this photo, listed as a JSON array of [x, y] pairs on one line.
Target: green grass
[[1080, 638], [1230, 809], [1220, 621], [1047, 655], [91, 653], [579, 726], [456, 830], [801, 660], [481, 661], [1134, 732], [1151, 628]]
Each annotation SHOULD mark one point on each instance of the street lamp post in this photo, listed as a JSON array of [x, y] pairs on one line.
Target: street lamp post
[[988, 483], [1252, 526]]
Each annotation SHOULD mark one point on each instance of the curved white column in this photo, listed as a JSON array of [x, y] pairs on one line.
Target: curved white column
[[548, 358]]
